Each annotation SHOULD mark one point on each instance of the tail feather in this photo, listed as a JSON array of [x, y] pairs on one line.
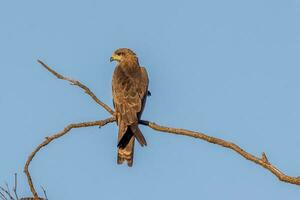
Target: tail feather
[[126, 153], [138, 135], [126, 143], [125, 139]]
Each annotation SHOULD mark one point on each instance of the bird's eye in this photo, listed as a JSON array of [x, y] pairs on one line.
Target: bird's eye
[[120, 54]]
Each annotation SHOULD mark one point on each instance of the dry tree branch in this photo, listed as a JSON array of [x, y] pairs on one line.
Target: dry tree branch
[[2, 196], [77, 83], [6, 192], [45, 194], [53, 137], [15, 187], [263, 161]]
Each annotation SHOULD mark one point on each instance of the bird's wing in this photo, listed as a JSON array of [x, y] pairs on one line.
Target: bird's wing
[[126, 96], [144, 82], [129, 96]]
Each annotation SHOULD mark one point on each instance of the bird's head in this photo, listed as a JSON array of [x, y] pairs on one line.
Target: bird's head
[[123, 55]]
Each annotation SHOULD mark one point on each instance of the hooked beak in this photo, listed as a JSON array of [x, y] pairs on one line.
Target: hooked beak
[[115, 57]]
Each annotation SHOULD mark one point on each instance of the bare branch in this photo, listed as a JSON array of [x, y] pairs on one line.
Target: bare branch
[[45, 194], [7, 192], [264, 157], [3, 197], [77, 83], [55, 136], [263, 161], [260, 161], [15, 187]]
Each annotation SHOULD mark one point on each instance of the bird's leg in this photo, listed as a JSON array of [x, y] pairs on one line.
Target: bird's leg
[[117, 116]]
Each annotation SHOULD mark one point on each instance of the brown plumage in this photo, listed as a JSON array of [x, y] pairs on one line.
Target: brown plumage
[[129, 89]]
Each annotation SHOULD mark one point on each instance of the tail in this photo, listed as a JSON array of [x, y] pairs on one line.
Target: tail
[[126, 143]]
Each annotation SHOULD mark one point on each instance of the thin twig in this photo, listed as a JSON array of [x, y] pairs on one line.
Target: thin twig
[[53, 137], [15, 187], [7, 192], [77, 83], [3, 197], [263, 161], [45, 194]]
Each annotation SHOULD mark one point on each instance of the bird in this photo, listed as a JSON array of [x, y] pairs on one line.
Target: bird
[[129, 90]]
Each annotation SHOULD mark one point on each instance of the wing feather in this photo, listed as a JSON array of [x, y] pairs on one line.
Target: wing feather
[[129, 93]]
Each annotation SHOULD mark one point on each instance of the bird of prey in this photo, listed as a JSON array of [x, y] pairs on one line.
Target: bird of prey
[[130, 90]]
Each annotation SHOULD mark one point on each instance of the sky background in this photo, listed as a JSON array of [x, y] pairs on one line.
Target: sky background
[[227, 68]]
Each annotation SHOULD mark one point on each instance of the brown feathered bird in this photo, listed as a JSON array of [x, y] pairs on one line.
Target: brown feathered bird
[[130, 90]]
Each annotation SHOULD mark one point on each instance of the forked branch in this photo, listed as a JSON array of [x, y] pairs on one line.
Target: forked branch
[[262, 161], [53, 137]]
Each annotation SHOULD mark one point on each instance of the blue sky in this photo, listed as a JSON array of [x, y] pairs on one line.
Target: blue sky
[[226, 68]]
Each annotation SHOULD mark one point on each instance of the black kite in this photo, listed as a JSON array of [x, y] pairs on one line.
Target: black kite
[[130, 90]]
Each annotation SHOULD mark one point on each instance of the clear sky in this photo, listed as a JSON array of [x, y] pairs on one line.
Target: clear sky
[[226, 68]]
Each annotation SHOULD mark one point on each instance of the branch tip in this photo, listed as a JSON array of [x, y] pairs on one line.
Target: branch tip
[[263, 162], [264, 157]]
